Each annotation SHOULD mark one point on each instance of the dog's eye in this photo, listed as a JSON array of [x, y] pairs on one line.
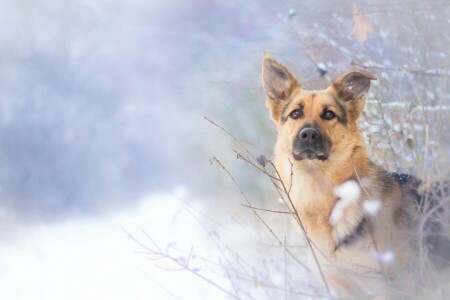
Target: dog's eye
[[328, 115], [295, 114]]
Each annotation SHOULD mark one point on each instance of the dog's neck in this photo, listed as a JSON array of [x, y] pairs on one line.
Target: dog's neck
[[311, 182]]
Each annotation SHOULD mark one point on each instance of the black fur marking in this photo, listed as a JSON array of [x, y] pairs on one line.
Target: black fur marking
[[409, 185], [342, 118], [402, 178], [359, 232]]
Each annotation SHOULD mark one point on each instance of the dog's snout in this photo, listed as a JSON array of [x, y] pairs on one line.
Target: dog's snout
[[309, 135], [310, 144]]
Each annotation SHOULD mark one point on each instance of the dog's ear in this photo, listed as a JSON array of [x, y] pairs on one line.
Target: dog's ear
[[278, 82], [353, 85], [279, 85], [351, 88]]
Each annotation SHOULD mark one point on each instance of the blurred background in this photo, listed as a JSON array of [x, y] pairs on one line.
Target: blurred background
[[102, 130]]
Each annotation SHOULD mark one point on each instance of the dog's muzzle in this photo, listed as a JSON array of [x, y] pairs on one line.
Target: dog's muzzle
[[310, 144]]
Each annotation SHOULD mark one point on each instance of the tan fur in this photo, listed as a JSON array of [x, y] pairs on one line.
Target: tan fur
[[350, 269]]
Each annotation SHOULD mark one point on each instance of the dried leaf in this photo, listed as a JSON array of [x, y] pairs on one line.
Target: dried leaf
[[410, 141], [262, 160], [361, 25], [255, 281]]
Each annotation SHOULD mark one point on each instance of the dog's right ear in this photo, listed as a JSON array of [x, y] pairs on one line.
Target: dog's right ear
[[279, 85]]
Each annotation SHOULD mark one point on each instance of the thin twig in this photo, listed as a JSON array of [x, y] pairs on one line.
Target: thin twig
[[414, 71], [180, 262], [254, 211], [297, 216], [292, 174], [371, 231], [232, 136], [268, 210], [299, 221]]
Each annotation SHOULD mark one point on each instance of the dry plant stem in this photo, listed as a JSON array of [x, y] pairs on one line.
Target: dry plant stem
[[214, 240], [423, 221], [278, 177], [237, 275], [257, 166], [394, 155], [294, 292], [285, 271], [232, 136], [370, 225], [299, 221], [419, 72], [233, 285], [230, 270], [207, 231], [292, 174], [191, 209], [422, 248], [283, 191], [255, 212], [184, 265], [261, 170], [268, 210]]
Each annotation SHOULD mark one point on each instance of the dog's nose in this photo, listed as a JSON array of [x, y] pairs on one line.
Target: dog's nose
[[309, 135]]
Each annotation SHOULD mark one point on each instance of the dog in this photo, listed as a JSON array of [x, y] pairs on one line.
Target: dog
[[319, 148]]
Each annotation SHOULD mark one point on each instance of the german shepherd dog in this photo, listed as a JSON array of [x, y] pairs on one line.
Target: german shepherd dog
[[319, 148]]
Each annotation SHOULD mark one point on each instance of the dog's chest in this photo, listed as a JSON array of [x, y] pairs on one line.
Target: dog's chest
[[312, 196]]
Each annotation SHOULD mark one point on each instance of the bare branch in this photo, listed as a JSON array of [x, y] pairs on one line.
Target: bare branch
[[268, 210], [427, 71], [180, 262], [254, 211]]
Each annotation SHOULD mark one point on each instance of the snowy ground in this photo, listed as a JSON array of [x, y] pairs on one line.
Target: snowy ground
[[94, 258]]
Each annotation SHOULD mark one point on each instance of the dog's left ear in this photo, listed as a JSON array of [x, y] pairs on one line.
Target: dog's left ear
[[279, 84], [351, 89]]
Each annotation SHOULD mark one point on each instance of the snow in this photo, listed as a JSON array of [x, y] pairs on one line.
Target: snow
[[94, 258], [291, 13], [386, 257], [347, 194], [372, 207], [322, 66]]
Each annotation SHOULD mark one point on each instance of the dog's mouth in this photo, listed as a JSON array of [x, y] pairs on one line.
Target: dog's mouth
[[309, 154]]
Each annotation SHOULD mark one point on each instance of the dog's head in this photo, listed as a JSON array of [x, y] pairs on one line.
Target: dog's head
[[315, 124]]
